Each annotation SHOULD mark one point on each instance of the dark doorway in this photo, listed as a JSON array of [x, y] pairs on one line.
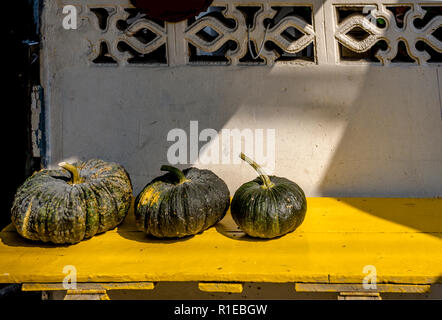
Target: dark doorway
[[22, 75]]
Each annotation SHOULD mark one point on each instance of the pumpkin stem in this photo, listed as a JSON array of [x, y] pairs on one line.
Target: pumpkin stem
[[264, 177], [72, 170], [177, 172]]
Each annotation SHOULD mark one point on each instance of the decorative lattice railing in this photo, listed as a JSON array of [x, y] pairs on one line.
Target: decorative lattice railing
[[246, 32]]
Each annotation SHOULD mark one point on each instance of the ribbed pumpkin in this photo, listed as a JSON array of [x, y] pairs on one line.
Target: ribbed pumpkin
[[181, 203], [73, 203], [268, 206]]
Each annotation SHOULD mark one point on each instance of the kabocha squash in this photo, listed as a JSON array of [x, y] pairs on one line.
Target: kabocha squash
[[72, 203], [268, 206], [181, 203]]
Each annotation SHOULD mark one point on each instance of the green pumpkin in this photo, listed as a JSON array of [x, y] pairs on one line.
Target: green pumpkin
[[181, 203], [73, 203], [268, 206]]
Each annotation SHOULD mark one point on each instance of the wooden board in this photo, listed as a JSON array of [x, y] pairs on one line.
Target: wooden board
[[401, 238]]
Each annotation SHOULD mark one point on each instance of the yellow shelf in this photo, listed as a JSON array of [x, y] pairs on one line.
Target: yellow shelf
[[401, 238]]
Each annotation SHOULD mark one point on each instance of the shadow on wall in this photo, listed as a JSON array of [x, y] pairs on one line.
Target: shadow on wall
[[392, 135], [391, 147]]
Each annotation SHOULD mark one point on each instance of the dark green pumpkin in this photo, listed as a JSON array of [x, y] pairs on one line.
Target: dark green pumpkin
[[268, 206], [73, 203], [181, 203]]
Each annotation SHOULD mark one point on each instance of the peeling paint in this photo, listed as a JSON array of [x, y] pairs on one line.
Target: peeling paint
[[35, 121]]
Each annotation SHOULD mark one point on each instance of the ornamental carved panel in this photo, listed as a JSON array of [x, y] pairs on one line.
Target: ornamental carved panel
[[267, 33], [409, 25]]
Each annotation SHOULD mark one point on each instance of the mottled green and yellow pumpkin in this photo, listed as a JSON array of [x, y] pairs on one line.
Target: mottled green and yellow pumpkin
[[181, 203], [268, 206], [72, 203]]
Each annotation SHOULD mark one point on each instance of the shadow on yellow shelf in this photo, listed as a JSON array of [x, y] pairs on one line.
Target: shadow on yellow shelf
[[423, 214], [338, 238]]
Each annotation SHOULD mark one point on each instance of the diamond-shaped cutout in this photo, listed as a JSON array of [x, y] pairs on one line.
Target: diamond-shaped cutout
[[358, 34], [208, 34], [438, 34], [145, 35], [292, 34]]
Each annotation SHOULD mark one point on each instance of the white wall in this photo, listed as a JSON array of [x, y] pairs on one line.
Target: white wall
[[341, 129]]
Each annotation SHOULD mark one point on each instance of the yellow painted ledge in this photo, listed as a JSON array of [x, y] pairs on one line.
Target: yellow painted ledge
[[401, 238], [220, 287], [89, 286]]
